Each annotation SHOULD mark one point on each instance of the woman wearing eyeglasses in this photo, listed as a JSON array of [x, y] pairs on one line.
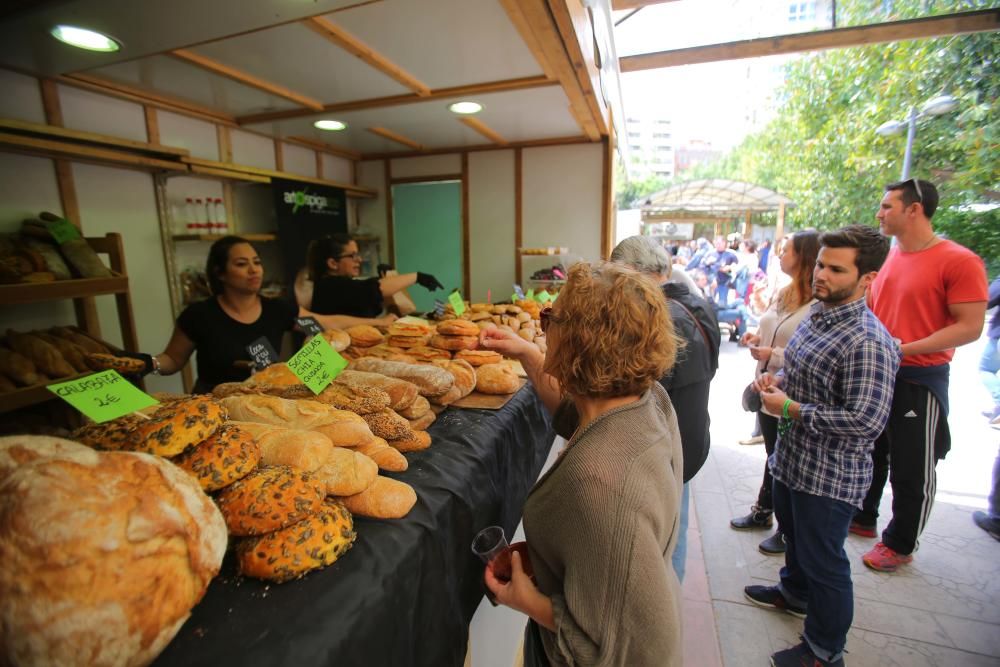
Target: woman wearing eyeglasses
[[602, 523], [333, 264]]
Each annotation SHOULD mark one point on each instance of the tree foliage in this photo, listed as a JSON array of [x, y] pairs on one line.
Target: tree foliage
[[822, 151]]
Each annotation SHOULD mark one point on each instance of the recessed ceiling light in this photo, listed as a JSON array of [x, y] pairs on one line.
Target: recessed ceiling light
[[330, 125], [85, 39], [466, 107]]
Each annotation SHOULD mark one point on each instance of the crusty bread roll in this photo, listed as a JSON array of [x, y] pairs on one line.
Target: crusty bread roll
[[340, 340], [342, 427], [497, 379], [455, 343], [18, 450], [420, 407], [418, 441], [386, 457], [312, 543], [407, 342], [401, 392], [387, 424], [18, 368], [423, 421], [269, 499], [71, 352], [110, 435], [45, 357], [465, 381], [479, 357], [457, 327], [430, 381], [177, 426], [364, 335], [346, 472], [384, 499], [228, 455], [305, 450], [426, 353], [275, 374], [410, 326], [103, 558]]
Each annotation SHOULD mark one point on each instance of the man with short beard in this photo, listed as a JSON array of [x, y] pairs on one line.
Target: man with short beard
[[834, 394]]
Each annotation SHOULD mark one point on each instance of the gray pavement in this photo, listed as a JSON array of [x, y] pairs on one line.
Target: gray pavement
[[942, 609]]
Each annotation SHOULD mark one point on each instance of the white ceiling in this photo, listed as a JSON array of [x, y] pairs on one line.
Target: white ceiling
[[441, 43]]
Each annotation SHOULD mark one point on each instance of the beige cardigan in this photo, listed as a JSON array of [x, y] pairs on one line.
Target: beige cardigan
[[601, 526]]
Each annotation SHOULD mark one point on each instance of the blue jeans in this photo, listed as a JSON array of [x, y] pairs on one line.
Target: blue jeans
[[681, 550], [817, 572], [989, 368]]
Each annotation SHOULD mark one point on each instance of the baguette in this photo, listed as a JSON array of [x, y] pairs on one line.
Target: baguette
[[18, 368], [430, 380], [384, 499], [305, 450], [346, 472], [70, 351], [423, 422], [387, 424], [401, 393], [359, 400], [418, 441], [83, 340], [420, 407], [386, 457], [45, 357], [343, 428]]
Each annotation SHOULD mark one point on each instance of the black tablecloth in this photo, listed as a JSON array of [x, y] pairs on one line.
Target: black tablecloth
[[407, 590]]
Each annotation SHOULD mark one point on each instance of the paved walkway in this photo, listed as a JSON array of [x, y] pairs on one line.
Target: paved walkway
[[943, 609]]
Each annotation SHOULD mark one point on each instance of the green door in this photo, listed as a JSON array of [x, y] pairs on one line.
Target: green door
[[427, 228]]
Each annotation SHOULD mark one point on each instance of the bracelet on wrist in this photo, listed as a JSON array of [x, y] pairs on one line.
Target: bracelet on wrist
[[784, 408], [156, 365]]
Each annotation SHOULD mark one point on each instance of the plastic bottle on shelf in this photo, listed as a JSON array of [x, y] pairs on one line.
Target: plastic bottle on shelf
[[190, 216], [221, 224], [209, 217]]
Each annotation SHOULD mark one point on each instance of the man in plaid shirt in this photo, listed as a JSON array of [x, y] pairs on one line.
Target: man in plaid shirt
[[834, 397]]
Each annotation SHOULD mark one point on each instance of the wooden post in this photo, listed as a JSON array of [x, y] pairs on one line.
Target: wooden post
[[518, 220], [779, 230], [747, 225]]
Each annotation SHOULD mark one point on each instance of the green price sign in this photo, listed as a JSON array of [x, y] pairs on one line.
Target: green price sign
[[102, 396], [455, 299], [543, 297], [316, 364], [63, 230], [530, 295], [513, 297]]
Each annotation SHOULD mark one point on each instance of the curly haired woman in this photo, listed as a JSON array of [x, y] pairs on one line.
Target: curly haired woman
[[602, 523]]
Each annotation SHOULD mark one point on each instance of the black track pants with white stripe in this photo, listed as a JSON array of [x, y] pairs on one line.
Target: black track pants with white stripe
[[906, 454]]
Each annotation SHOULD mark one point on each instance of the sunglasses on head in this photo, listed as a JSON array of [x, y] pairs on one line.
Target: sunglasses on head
[[916, 187]]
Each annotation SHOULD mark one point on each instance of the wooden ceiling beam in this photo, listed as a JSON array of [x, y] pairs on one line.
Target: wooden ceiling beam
[[893, 31], [450, 150], [520, 22], [536, 12], [394, 136], [573, 23], [617, 5], [348, 42], [505, 85], [324, 147], [483, 129], [239, 76]]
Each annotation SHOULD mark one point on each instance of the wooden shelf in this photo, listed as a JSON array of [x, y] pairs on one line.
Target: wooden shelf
[[216, 237], [241, 172], [55, 132], [58, 148], [20, 398], [61, 289]]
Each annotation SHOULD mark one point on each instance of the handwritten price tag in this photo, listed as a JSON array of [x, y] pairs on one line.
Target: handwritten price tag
[[102, 396], [531, 295], [262, 353], [309, 326], [543, 297], [455, 299], [316, 364]]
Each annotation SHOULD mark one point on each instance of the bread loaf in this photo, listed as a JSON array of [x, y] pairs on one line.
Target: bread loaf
[[384, 499], [269, 499], [342, 427], [71, 352], [457, 327], [479, 357], [312, 543], [228, 455], [465, 381], [419, 407], [18, 450], [454, 343], [338, 339], [20, 368], [364, 335], [497, 379], [102, 559], [275, 374], [45, 357], [359, 399], [305, 450], [430, 381], [426, 353], [407, 342], [422, 422], [386, 457], [417, 441], [346, 472], [401, 393], [113, 435], [177, 426], [83, 340], [387, 424]]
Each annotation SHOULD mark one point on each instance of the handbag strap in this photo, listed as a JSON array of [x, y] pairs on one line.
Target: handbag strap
[[704, 335]]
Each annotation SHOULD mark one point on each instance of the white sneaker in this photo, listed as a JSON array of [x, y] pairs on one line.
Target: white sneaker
[[753, 440]]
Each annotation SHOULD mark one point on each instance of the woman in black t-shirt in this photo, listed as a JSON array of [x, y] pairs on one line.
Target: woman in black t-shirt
[[334, 264], [221, 327]]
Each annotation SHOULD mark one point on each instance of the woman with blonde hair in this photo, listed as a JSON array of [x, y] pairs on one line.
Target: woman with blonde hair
[[602, 523], [787, 309]]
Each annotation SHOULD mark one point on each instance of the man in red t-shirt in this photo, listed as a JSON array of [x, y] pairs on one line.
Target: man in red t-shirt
[[931, 295]]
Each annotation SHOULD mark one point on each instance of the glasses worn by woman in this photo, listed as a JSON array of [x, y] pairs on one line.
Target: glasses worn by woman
[[602, 523]]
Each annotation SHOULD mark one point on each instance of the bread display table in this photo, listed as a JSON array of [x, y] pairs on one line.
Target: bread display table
[[407, 590]]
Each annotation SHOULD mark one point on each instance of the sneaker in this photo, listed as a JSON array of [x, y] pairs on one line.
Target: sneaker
[[863, 529], [988, 522], [758, 519], [771, 597], [774, 545], [801, 656], [884, 559], [753, 440]]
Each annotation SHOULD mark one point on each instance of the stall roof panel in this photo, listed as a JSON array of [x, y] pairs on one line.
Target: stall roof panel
[[443, 43], [304, 62], [166, 75], [521, 115], [715, 195]]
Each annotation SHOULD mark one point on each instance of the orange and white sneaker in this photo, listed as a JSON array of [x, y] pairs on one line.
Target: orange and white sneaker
[[884, 559]]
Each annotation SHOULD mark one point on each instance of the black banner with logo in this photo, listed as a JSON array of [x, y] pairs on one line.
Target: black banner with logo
[[305, 212]]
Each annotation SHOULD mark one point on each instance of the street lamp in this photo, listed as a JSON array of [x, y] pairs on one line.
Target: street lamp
[[936, 106]]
